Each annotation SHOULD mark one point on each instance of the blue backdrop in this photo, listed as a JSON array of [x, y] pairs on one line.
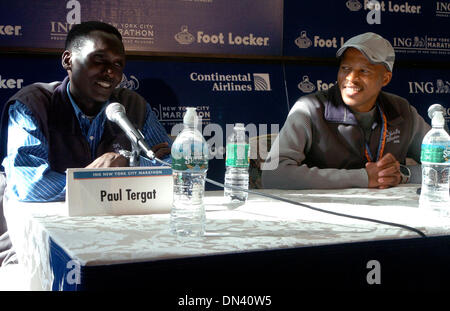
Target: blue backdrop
[[417, 29], [189, 26]]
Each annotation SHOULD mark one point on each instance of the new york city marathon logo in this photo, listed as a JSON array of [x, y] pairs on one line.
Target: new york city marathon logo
[[422, 45]]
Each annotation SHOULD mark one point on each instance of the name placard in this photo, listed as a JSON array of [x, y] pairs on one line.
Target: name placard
[[119, 191]]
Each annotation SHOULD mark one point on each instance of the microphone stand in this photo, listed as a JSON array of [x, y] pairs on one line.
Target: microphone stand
[[135, 154]]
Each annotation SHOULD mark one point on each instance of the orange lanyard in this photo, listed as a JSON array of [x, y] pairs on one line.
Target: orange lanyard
[[382, 141]]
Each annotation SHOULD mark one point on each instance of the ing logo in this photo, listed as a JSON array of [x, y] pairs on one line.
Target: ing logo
[[59, 29], [428, 87], [261, 81]]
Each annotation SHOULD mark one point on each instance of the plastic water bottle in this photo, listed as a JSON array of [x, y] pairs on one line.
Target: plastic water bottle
[[189, 167], [237, 164], [435, 158]]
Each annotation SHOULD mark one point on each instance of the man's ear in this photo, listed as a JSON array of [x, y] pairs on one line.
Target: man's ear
[[387, 76], [66, 60]]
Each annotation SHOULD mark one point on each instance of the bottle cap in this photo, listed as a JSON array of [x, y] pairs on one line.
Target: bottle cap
[[190, 117], [239, 125], [436, 114], [438, 120]]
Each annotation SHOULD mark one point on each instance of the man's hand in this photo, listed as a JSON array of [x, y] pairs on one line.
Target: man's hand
[[109, 159], [384, 173], [161, 150]]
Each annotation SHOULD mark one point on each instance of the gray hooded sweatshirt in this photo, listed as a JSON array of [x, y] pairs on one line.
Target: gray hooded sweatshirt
[[322, 144]]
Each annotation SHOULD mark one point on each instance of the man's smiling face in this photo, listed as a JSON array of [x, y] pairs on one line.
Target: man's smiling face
[[360, 81], [95, 68]]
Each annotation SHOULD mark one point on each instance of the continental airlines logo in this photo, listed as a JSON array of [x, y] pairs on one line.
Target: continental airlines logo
[[234, 82], [184, 37], [261, 81]]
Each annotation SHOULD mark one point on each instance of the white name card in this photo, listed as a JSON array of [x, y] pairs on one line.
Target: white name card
[[119, 191]]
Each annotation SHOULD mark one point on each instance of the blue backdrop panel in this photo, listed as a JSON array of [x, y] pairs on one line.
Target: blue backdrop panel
[[17, 72], [421, 87], [303, 80], [417, 29], [224, 93], [207, 26]]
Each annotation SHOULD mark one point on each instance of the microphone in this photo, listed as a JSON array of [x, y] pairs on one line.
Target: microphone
[[115, 112]]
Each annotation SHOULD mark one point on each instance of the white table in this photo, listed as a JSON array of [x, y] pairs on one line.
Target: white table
[[40, 232]]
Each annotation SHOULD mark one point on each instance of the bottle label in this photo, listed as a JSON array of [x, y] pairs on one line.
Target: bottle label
[[237, 155], [184, 159], [435, 153]]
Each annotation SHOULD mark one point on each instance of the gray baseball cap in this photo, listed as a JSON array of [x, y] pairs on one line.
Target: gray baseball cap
[[377, 49]]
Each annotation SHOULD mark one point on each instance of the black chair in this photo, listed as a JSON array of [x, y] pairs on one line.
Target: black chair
[[259, 150]]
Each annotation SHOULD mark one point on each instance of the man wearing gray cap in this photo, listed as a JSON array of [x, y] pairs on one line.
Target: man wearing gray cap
[[353, 134]]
